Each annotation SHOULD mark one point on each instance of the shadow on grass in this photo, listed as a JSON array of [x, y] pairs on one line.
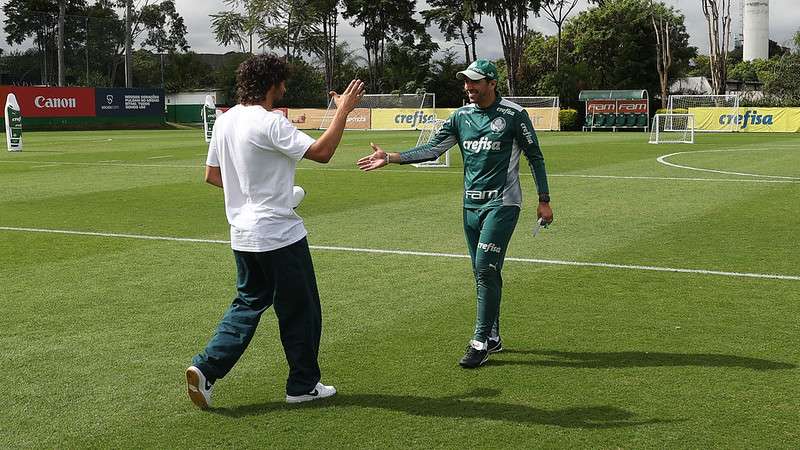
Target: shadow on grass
[[462, 407], [607, 360]]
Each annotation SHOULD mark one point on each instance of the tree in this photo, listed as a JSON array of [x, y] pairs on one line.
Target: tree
[[457, 19], [796, 40], [165, 28], [718, 15], [62, 12], [407, 67], [161, 23], [783, 81], [292, 27], [348, 66], [662, 26], [442, 80], [384, 21], [225, 75], [538, 74], [511, 17], [613, 47], [39, 20], [324, 43], [306, 87], [232, 27], [756, 70], [554, 11], [128, 44], [102, 30], [699, 66]]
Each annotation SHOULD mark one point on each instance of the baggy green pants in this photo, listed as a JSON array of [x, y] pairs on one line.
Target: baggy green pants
[[488, 232], [283, 278]]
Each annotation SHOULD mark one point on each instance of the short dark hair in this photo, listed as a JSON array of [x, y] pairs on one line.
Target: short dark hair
[[257, 74]]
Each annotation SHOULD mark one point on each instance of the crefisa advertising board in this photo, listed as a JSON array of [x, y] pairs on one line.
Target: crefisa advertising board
[[86, 108]]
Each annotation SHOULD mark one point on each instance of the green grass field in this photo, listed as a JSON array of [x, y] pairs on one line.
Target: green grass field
[[96, 331]]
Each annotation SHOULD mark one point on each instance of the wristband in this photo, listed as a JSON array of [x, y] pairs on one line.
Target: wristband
[[544, 197]]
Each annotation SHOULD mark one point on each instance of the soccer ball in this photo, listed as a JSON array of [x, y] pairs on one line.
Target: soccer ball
[[298, 194]]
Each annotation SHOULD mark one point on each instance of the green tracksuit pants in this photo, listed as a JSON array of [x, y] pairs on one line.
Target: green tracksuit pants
[[283, 278], [488, 232]]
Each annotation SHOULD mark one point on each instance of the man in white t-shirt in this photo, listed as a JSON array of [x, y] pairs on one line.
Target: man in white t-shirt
[[252, 156]]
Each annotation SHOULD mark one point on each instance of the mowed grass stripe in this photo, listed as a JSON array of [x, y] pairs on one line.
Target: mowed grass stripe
[[421, 253], [784, 180]]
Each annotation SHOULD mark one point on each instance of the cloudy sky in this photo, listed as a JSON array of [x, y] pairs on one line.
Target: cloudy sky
[[784, 21]]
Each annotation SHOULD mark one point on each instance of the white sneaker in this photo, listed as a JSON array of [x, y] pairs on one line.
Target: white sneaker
[[319, 391], [198, 387]]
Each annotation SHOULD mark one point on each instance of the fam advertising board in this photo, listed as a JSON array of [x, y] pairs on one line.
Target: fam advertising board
[[617, 107]]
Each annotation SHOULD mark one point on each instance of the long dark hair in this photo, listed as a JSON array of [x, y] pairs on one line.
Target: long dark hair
[[256, 75]]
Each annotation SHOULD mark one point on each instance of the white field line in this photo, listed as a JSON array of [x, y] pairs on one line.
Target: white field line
[[663, 160], [428, 254], [160, 157], [425, 171]]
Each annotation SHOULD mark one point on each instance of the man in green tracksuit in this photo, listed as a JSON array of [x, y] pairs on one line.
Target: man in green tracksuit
[[492, 133]]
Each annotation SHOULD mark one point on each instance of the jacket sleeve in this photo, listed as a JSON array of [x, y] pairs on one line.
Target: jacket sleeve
[[440, 143], [529, 143]]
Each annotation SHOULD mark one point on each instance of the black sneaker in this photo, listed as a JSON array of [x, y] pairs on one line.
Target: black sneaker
[[474, 358], [495, 346]]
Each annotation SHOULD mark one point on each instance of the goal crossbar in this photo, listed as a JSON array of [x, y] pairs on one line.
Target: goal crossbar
[[727, 104], [361, 117]]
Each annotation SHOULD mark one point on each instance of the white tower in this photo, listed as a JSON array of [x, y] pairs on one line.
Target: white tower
[[756, 29]]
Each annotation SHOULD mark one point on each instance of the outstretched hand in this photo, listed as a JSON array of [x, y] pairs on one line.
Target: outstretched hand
[[348, 99], [374, 161]]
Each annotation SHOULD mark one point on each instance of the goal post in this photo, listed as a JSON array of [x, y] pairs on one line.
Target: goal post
[[722, 106], [429, 130], [360, 118], [543, 111], [672, 129]]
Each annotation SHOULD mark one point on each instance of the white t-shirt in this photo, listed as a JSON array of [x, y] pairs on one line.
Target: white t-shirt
[[257, 152]]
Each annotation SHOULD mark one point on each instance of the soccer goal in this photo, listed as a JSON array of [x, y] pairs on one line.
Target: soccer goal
[[672, 129], [361, 118], [429, 130], [542, 110], [728, 106]]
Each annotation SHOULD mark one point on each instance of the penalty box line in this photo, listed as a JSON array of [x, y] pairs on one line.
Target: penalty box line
[[426, 254]]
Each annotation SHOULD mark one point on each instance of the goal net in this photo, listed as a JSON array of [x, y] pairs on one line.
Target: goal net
[[542, 110], [721, 105], [672, 129], [421, 105], [429, 130]]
